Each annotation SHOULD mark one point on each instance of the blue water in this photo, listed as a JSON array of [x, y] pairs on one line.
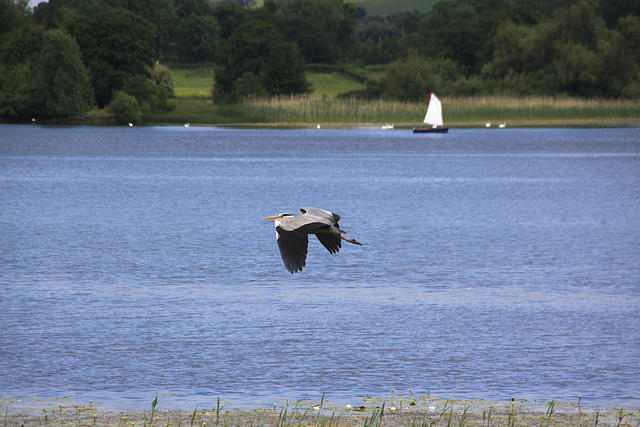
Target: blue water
[[496, 263]]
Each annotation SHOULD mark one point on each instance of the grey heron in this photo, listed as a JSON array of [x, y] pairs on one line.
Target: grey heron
[[292, 233]]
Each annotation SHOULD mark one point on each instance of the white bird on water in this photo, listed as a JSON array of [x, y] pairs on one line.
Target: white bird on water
[[292, 233]]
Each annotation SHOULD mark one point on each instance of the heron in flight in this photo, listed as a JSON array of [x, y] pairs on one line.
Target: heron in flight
[[292, 232]]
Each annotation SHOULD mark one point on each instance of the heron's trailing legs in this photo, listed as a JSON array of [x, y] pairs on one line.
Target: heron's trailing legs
[[354, 241]]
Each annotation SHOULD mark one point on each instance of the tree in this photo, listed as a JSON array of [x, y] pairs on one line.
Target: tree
[[151, 98], [230, 17], [162, 78], [186, 8], [409, 79], [572, 53], [19, 56], [41, 75], [322, 29], [196, 38], [612, 10], [125, 108], [53, 14], [63, 83], [461, 41], [258, 49], [160, 13], [115, 44], [13, 14]]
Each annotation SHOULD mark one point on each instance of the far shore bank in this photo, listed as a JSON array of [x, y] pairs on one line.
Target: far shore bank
[[314, 111], [520, 124]]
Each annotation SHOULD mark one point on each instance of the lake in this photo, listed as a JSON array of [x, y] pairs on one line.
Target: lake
[[497, 263]]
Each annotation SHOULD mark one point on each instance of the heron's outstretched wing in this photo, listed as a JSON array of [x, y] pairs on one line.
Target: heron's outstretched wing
[[328, 221], [321, 213], [330, 241], [293, 248]]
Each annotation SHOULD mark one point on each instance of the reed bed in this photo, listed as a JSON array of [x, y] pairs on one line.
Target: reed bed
[[471, 111], [396, 410], [312, 110], [545, 109]]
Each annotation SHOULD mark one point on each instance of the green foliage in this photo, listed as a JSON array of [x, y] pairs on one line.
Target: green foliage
[[578, 48], [19, 56], [160, 13], [256, 48], [230, 17], [196, 38], [408, 79], [63, 81], [13, 14], [414, 78], [389, 7], [151, 99], [125, 108], [41, 75], [248, 85], [322, 29], [572, 53], [612, 11], [115, 44], [54, 14], [162, 78]]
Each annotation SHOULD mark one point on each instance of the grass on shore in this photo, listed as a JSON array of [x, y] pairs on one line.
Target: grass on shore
[[457, 112], [194, 105], [408, 410]]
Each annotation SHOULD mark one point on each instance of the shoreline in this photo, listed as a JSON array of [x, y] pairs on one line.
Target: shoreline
[[394, 410], [516, 124], [309, 111]]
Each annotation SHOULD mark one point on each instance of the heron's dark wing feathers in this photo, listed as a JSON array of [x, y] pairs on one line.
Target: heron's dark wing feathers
[[293, 248], [321, 219], [330, 241]]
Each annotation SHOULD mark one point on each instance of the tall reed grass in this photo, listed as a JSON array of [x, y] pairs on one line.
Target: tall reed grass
[[470, 111], [467, 111], [311, 110], [540, 108]]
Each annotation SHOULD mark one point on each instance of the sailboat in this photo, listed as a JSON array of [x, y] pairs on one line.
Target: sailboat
[[433, 118]]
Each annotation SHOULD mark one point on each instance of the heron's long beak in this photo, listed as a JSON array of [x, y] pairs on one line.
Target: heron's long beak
[[272, 217]]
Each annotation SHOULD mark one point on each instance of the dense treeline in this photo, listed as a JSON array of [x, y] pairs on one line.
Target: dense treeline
[[66, 56], [467, 47]]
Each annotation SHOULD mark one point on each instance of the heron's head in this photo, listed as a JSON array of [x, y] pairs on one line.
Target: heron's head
[[279, 216]]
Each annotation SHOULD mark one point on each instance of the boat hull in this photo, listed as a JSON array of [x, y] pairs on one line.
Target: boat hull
[[430, 130]]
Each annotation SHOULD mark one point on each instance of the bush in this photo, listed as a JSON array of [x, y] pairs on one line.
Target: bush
[[125, 108], [151, 98], [162, 78]]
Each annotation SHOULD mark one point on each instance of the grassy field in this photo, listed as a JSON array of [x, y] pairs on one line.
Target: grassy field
[[396, 410], [329, 85], [193, 82]]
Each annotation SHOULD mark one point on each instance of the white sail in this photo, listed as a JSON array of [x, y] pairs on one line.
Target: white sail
[[434, 112]]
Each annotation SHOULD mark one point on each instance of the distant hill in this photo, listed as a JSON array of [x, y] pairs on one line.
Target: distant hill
[[387, 7]]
